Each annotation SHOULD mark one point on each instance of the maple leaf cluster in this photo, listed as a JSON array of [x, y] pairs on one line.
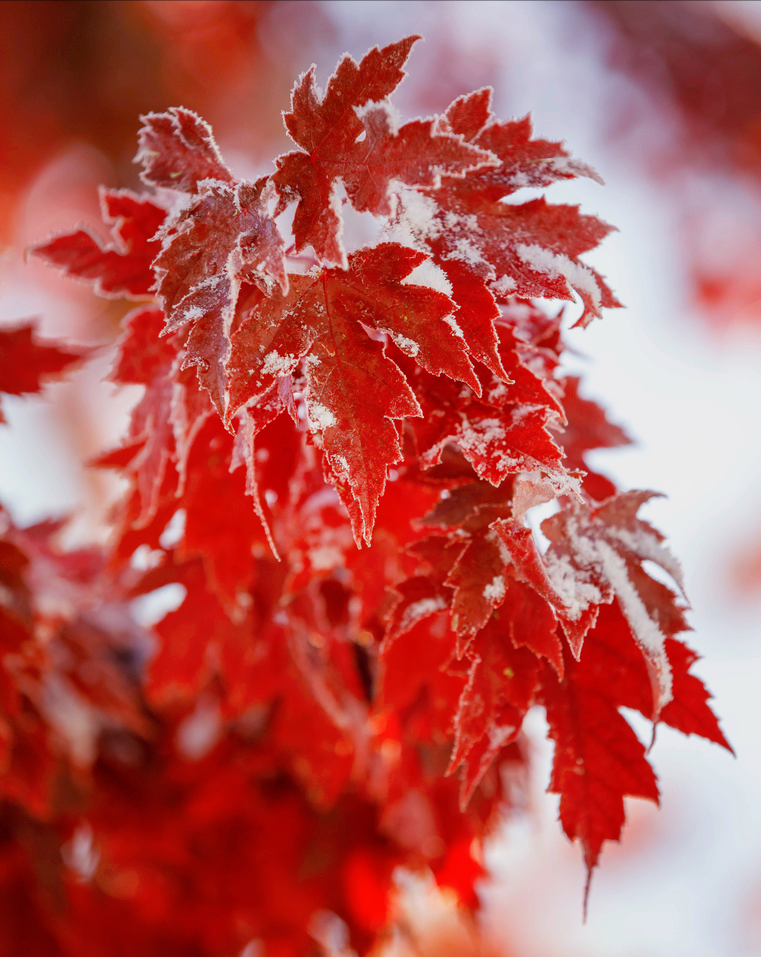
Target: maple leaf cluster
[[332, 460]]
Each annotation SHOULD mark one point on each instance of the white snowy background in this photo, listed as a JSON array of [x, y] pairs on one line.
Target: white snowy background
[[686, 881]]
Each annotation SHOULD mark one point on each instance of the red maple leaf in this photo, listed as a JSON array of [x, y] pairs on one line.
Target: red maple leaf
[[597, 554], [143, 358], [502, 681], [347, 137], [177, 150], [121, 267], [354, 391], [598, 758], [529, 249], [26, 362], [224, 238]]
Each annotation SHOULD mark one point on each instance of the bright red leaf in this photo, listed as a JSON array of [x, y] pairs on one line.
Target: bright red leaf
[[25, 362], [348, 138]]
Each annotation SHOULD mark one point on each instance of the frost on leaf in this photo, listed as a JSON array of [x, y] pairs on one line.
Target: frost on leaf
[[353, 389], [224, 239], [504, 427], [525, 161], [528, 249], [177, 150], [596, 555]]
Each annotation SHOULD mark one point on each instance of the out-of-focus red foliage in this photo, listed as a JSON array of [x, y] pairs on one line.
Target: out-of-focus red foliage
[[699, 66], [81, 72], [700, 62]]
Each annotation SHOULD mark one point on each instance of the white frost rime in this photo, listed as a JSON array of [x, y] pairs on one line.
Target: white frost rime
[[575, 592], [495, 590], [416, 220], [405, 344], [391, 114], [504, 285], [320, 416], [592, 574], [450, 321], [465, 251], [430, 275], [418, 610], [558, 264], [275, 364], [648, 634]]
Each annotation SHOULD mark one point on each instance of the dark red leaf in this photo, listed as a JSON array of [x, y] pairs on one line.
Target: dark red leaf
[[121, 267], [177, 151]]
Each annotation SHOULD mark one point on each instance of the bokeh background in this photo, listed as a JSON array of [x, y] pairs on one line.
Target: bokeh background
[[663, 98]]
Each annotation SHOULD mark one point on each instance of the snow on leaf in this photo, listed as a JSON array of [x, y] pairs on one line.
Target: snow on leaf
[[417, 598], [478, 580], [498, 438], [598, 758], [557, 265], [418, 154], [613, 659], [525, 161], [418, 370], [359, 392], [315, 116], [476, 313], [469, 505], [597, 554], [470, 113], [122, 267], [354, 390], [534, 244], [383, 294], [282, 329], [529, 249], [506, 429]]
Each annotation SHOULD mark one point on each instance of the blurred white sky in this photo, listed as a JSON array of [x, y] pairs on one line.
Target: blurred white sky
[[687, 880]]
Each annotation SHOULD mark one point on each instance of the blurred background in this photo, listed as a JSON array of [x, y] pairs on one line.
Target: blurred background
[[663, 98]]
